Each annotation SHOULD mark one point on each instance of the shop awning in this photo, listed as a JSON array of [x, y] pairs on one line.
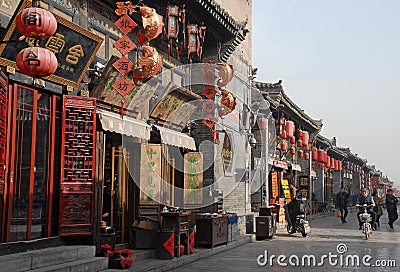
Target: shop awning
[[176, 138], [129, 126]]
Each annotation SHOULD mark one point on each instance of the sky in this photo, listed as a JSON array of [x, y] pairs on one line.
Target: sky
[[340, 62]]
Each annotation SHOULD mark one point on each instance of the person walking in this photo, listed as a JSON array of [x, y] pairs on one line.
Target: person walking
[[342, 199], [378, 207], [391, 206]]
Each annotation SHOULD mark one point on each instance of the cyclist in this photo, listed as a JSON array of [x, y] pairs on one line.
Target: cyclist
[[365, 198]]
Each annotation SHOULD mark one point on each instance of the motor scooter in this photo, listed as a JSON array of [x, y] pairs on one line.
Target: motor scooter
[[365, 218], [302, 224]]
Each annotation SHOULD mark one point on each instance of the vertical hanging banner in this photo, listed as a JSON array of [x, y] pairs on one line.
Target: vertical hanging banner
[[286, 190], [275, 189], [150, 174], [227, 154], [193, 179]]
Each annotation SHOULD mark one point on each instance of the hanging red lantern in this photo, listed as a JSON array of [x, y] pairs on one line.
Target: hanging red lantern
[[289, 127], [325, 157], [283, 134], [149, 64], [225, 73], [332, 163], [283, 146], [227, 102], [300, 153], [305, 137], [292, 140], [306, 156], [328, 162], [300, 134], [307, 147], [36, 23], [36, 62], [152, 24], [292, 150], [315, 154], [299, 143], [321, 157]]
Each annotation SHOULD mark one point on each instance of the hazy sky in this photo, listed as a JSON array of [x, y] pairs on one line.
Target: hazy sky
[[340, 62]]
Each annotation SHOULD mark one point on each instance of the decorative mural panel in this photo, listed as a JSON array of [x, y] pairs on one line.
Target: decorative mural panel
[[150, 174], [193, 179], [77, 167]]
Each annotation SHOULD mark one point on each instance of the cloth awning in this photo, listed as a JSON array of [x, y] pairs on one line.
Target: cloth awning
[[176, 138], [129, 126]]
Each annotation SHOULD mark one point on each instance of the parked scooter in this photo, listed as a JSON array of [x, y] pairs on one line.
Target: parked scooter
[[302, 224], [365, 218]]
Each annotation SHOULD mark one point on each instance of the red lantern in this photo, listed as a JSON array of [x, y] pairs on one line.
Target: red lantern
[[36, 23], [283, 134], [299, 143], [292, 140], [289, 127], [305, 138], [325, 157], [228, 103], [300, 134], [328, 161], [152, 24], [149, 64], [36, 62], [225, 73], [307, 147], [292, 150], [321, 157], [332, 163], [283, 146], [300, 153], [306, 156], [315, 154]]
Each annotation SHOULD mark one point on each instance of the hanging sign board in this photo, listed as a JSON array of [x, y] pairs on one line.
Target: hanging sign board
[[150, 174], [304, 185], [74, 47], [193, 179]]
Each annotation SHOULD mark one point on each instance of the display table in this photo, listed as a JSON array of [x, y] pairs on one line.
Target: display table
[[211, 230], [178, 222]]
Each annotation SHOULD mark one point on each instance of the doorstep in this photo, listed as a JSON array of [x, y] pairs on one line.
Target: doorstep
[[158, 265]]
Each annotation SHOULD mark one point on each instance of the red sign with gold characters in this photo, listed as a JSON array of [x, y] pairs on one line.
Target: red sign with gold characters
[[275, 189]]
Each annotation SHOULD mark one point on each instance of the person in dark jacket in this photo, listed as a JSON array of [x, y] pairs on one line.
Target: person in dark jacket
[[342, 199], [366, 198], [391, 206]]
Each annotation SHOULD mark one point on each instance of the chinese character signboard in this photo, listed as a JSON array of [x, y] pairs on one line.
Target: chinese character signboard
[[275, 189], [304, 185], [286, 190], [193, 179], [150, 174], [74, 47]]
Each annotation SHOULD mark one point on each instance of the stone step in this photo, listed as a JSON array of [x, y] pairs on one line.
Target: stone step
[[93, 264], [41, 258]]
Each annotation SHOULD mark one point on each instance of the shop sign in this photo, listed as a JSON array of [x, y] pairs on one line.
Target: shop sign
[[150, 174], [137, 98], [280, 164], [286, 190], [174, 107], [193, 178], [275, 189], [227, 153], [304, 186], [74, 47]]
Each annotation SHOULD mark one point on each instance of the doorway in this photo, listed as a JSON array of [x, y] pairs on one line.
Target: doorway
[[33, 148]]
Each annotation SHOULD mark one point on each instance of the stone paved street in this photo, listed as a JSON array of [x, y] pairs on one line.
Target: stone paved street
[[327, 234]]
